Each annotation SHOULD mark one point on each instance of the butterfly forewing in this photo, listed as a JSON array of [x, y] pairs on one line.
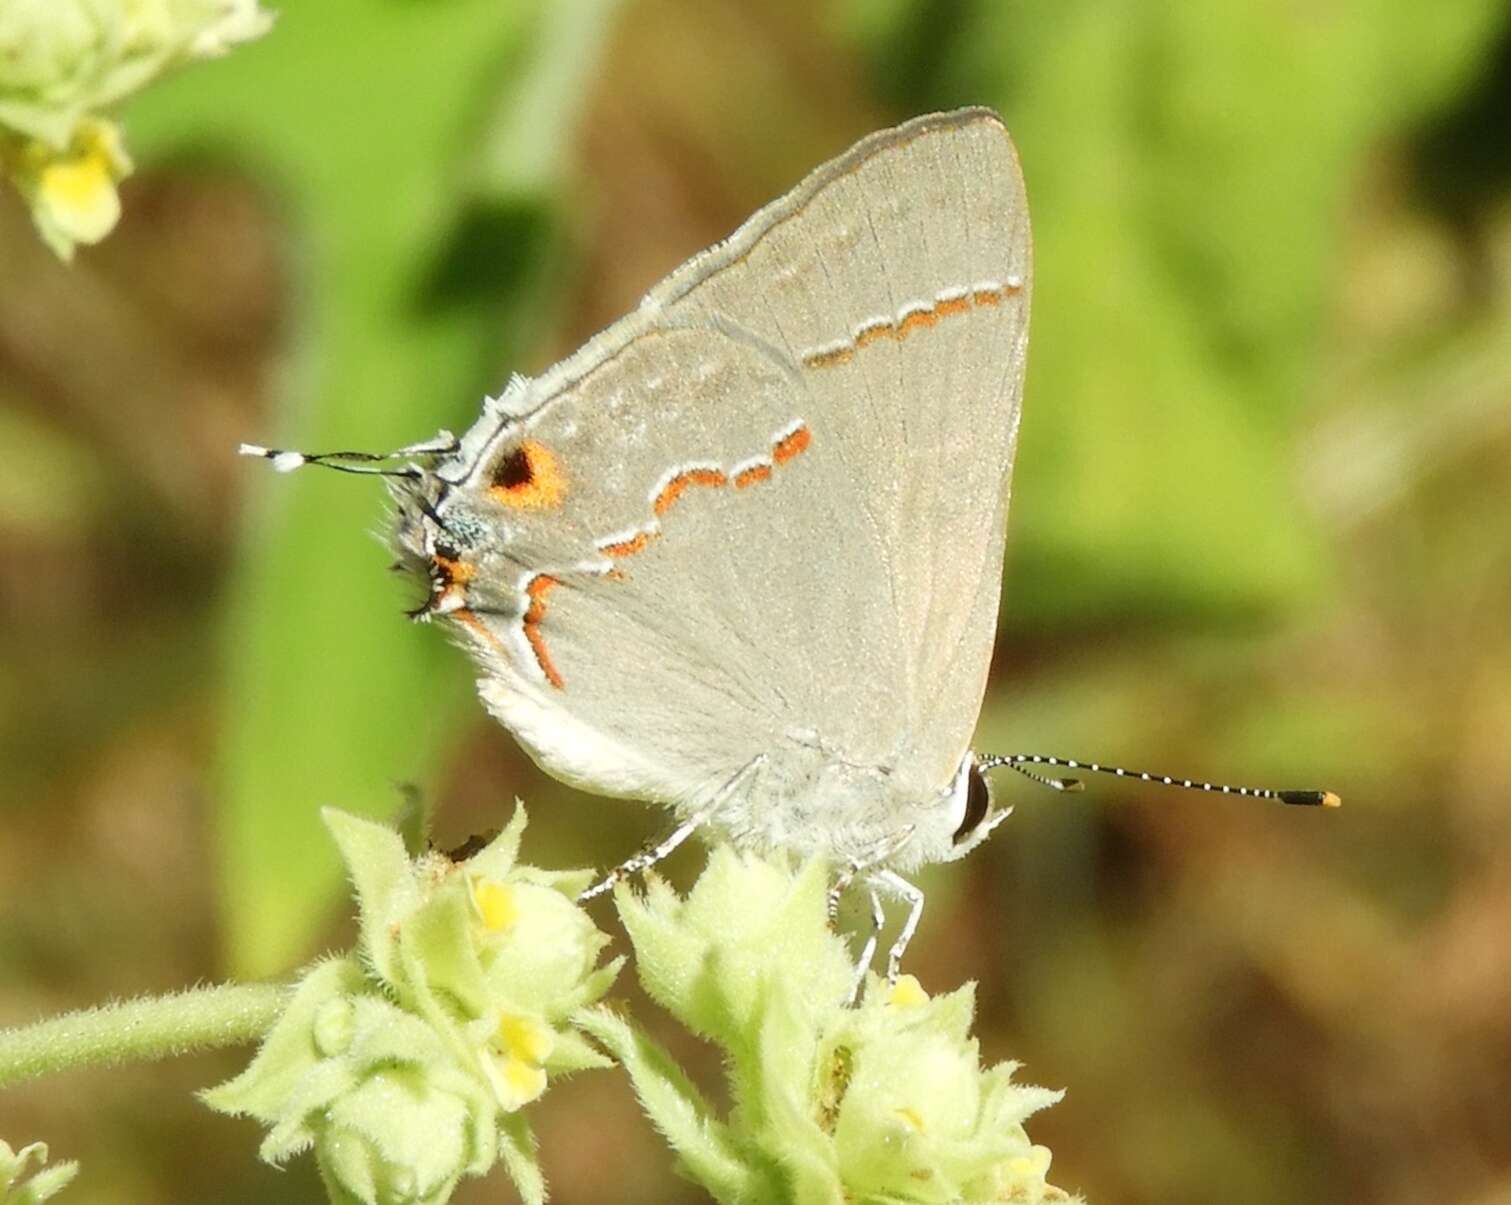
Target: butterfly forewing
[[898, 276], [780, 486]]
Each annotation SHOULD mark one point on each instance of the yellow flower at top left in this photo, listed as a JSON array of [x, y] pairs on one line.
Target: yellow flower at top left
[[65, 65], [72, 192]]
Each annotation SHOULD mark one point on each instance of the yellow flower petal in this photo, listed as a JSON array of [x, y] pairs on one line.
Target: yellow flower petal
[[524, 1037], [523, 1082], [72, 192], [80, 197], [1035, 1163], [496, 904], [907, 993]]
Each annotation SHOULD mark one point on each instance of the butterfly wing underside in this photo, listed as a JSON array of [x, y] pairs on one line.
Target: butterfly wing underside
[[793, 524]]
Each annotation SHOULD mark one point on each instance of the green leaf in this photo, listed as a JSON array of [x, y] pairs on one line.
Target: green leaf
[[497, 858], [705, 959], [384, 1033], [518, 1150], [438, 945], [384, 883], [295, 1131], [26, 1180], [677, 1109], [779, 1102], [573, 1052], [395, 1137], [288, 1053]]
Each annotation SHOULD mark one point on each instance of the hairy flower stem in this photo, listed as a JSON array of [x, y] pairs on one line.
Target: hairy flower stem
[[153, 1027]]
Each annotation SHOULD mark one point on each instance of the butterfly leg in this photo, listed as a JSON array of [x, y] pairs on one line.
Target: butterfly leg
[[653, 853], [868, 951], [841, 885], [648, 856], [893, 883]]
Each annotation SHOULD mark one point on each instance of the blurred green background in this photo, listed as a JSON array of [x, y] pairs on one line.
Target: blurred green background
[[1261, 532]]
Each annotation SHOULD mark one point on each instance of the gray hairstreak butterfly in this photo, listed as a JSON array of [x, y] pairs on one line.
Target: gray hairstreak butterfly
[[741, 554]]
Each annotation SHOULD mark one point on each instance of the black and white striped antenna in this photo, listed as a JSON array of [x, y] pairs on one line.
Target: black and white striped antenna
[[367, 464], [1025, 763]]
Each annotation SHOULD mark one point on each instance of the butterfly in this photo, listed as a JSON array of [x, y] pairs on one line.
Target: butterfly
[[741, 554]]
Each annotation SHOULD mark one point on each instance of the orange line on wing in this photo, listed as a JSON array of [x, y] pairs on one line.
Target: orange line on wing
[[783, 449], [479, 629], [748, 477], [792, 445], [827, 359], [915, 320], [636, 543], [674, 488], [539, 586], [869, 335]]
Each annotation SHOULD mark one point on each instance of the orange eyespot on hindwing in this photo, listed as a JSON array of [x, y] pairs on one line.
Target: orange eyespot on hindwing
[[529, 477]]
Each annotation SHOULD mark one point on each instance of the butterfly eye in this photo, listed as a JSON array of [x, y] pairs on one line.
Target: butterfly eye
[[978, 801]]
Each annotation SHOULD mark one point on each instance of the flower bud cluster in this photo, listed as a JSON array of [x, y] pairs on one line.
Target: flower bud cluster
[[405, 1065], [885, 1101]]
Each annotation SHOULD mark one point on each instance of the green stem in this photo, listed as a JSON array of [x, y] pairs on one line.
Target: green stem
[[154, 1027]]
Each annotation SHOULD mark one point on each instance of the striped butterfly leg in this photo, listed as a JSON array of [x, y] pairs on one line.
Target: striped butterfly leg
[[649, 855], [911, 894], [837, 891], [868, 951], [877, 881], [663, 847]]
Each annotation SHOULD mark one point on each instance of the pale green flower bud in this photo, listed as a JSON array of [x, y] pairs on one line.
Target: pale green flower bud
[[706, 959], [405, 1064], [393, 1140]]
